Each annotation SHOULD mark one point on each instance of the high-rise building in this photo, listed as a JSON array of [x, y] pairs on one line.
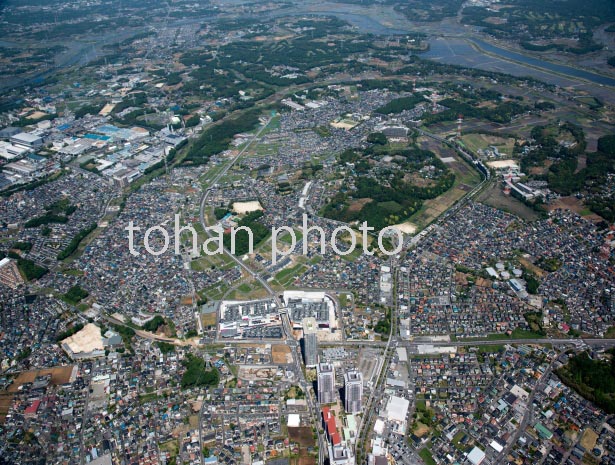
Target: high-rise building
[[326, 383], [353, 391], [310, 341]]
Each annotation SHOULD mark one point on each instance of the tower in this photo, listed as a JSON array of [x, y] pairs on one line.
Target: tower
[[353, 392], [310, 342], [326, 383], [459, 121]]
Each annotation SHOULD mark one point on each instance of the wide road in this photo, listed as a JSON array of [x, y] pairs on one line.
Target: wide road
[[205, 196], [528, 415], [377, 390], [475, 342], [290, 340], [414, 344]]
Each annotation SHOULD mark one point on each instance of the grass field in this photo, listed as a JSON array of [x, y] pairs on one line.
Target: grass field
[[302, 436], [589, 101], [248, 291], [425, 454], [533, 268], [273, 125], [244, 287], [287, 239], [575, 205], [73, 272], [524, 334], [458, 437], [474, 142], [465, 179], [356, 253], [216, 291], [172, 447], [6, 400], [494, 197], [490, 349], [288, 275], [211, 258], [516, 334]]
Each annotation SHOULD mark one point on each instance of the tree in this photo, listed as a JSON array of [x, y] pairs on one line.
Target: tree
[[76, 294], [197, 375], [193, 121], [377, 138], [153, 324], [606, 144]]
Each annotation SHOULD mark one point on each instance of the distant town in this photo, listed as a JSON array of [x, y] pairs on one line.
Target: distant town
[[302, 233]]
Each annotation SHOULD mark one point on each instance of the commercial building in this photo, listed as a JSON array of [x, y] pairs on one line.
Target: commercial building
[[330, 425], [476, 456], [396, 133], [125, 176], [9, 131], [339, 452], [310, 341], [9, 151], [27, 139], [397, 409], [353, 392], [340, 455], [306, 304], [24, 167], [326, 383], [294, 420]]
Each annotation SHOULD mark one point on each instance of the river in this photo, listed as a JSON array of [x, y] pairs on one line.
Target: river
[[451, 50], [562, 69], [457, 50]]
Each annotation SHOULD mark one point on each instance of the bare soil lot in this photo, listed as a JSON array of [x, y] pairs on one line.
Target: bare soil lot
[[302, 436], [59, 375], [575, 205], [281, 354]]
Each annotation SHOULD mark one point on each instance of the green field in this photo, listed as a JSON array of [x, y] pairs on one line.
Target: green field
[[245, 288], [474, 142], [465, 179], [490, 349], [458, 436], [286, 238], [516, 334], [288, 275], [425, 454]]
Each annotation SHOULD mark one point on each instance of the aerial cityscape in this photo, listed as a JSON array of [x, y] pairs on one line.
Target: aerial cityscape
[[291, 232]]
